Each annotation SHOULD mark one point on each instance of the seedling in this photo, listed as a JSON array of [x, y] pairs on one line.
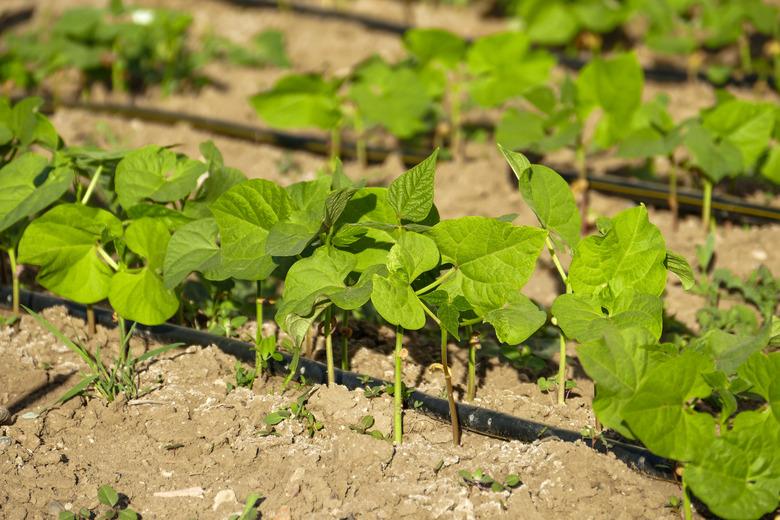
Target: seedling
[[106, 381], [296, 410], [251, 508], [364, 427], [483, 480], [107, 496]]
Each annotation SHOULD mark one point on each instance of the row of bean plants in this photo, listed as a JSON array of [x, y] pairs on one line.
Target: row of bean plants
[[129, 227]]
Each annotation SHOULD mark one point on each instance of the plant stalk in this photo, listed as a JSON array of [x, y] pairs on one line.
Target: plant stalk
[[556, 261], [123, 343], [105, 256], [335, 143], [562, 372], [14, 280], [329, 345], [92, 184], [398, 398], [360, 143], [345, 335], [474, 345], [706, 208], [687, 509], [582, 178], [456, 120], [673, 203], [91, 327], [448, 382], [259, 301], [437, 282]]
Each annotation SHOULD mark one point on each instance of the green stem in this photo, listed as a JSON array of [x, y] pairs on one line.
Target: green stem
[[455, 118], [110, 261], [14, 280], [437, 282], [345, 335], [335, 143], [706, 208], [259, 312], [398, 397], [472, 321], [91, 327], [582, 177], [448, 382], [471, 386], [92, 184], [562, 372], [360, 144], [687, 510], [123, 342], [746, 60], [556, 261], [329, 345], [673, 204]]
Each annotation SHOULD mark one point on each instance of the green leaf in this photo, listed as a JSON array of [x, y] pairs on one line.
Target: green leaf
[[63, 241], [307, 287], [746, 125], [730, 351], [157, 174], [738, 475], [140, 295], [495, 258], [245, 215], [503, 67], [549, 196], [520, 130], [149, 238], [299, 101], [127, 514], [616, 362], [629, 255], [581, 317], [659, 414], [760, 370], [771, 167], [677, 264], [516, 320], [412, 255], [394, 97], [170, 217], [716, 159], [395, 301], [411, 194], [614, 84], [335, 205], [435, 45], [108, 496], [193, 247], [27, 186]]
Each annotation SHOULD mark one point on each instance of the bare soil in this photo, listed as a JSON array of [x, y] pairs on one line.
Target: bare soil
[[190, 437], [61, 458]]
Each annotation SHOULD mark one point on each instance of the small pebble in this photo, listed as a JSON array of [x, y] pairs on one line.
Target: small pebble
[[30, 416], [5, 441], [5, 415], [55, 508]]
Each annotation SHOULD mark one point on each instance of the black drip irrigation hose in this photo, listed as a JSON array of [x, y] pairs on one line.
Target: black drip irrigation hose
[[690, 201], [659, 74], [12, 18], [253, 134], [472, 418]]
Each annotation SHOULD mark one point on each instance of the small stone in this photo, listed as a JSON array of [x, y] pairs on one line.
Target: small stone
[[5, 415], [759, 254], [54, 508], [30, 416], [5, 441], [226, 496]]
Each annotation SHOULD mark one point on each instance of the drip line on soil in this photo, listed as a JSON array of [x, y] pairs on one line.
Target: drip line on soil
[[690, 201], [11, 18], [659, 74], [475, 419]]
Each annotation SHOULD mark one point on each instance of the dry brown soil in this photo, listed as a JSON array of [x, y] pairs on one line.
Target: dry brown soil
[[189, 437], [61, 458]]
